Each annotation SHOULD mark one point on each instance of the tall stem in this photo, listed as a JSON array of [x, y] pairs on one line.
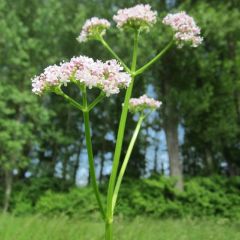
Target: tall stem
[[96, 101], [108, 230], [69, 99], [119, 141], [105, 44], [156, 58], [135, 52], [90, 155], [125, 161]]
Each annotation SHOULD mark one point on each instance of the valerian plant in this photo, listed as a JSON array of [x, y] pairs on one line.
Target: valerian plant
[[110, 77]]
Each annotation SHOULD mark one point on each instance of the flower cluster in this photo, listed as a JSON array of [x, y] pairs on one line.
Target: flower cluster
[[51, 77], [93, 28], [143, 103], [107, 76], [138, 17], [185, 29]]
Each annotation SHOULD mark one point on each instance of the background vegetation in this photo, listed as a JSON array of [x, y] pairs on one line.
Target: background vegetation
[[39, 228], [41, 140]]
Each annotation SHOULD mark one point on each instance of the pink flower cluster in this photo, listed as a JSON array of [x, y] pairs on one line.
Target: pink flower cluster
[[142, 103], [185, 29], [92, 28], [52, 76], [107, 76], [139, 16]]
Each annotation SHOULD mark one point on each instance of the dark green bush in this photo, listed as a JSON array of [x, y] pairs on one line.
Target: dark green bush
[[156, 197], [78, 201], [27, 193]]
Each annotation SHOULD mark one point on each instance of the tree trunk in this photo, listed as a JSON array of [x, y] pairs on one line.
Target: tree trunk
[[155, 166], [66, 155], [101, 168], [209, 162], [65, 165], [171, 130], [76, 165], [162, 169], [8, 190], [171, 122]]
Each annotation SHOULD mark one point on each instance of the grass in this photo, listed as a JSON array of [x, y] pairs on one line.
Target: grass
[[62, 228]]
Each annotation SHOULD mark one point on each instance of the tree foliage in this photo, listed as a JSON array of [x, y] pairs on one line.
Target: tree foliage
[[200, 87]]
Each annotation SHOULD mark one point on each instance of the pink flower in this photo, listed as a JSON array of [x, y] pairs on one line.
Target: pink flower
[[185, 29], [107, 76], [52, 76], [93, 28], [143, 103], [137, 17]]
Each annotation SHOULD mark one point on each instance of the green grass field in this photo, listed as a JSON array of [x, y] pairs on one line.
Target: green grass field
[[61, 228]]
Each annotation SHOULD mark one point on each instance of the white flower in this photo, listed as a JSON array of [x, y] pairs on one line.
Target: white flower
[[107, 76], [185, 29], [138, 17], [93, 28], [143, 103], [52, 76]]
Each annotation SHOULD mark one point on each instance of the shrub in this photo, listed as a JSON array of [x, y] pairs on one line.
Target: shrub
[[80, 201], [155, 197]]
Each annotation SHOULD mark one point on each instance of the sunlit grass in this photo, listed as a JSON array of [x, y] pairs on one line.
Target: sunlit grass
[[62, 228]]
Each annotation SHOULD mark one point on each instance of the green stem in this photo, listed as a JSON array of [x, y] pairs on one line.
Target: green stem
[[69, 99], [105, 44], [120, 135], [108, 230], [96, 101], [90, 155], [135, 52], [125, 161], [157, 57]]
